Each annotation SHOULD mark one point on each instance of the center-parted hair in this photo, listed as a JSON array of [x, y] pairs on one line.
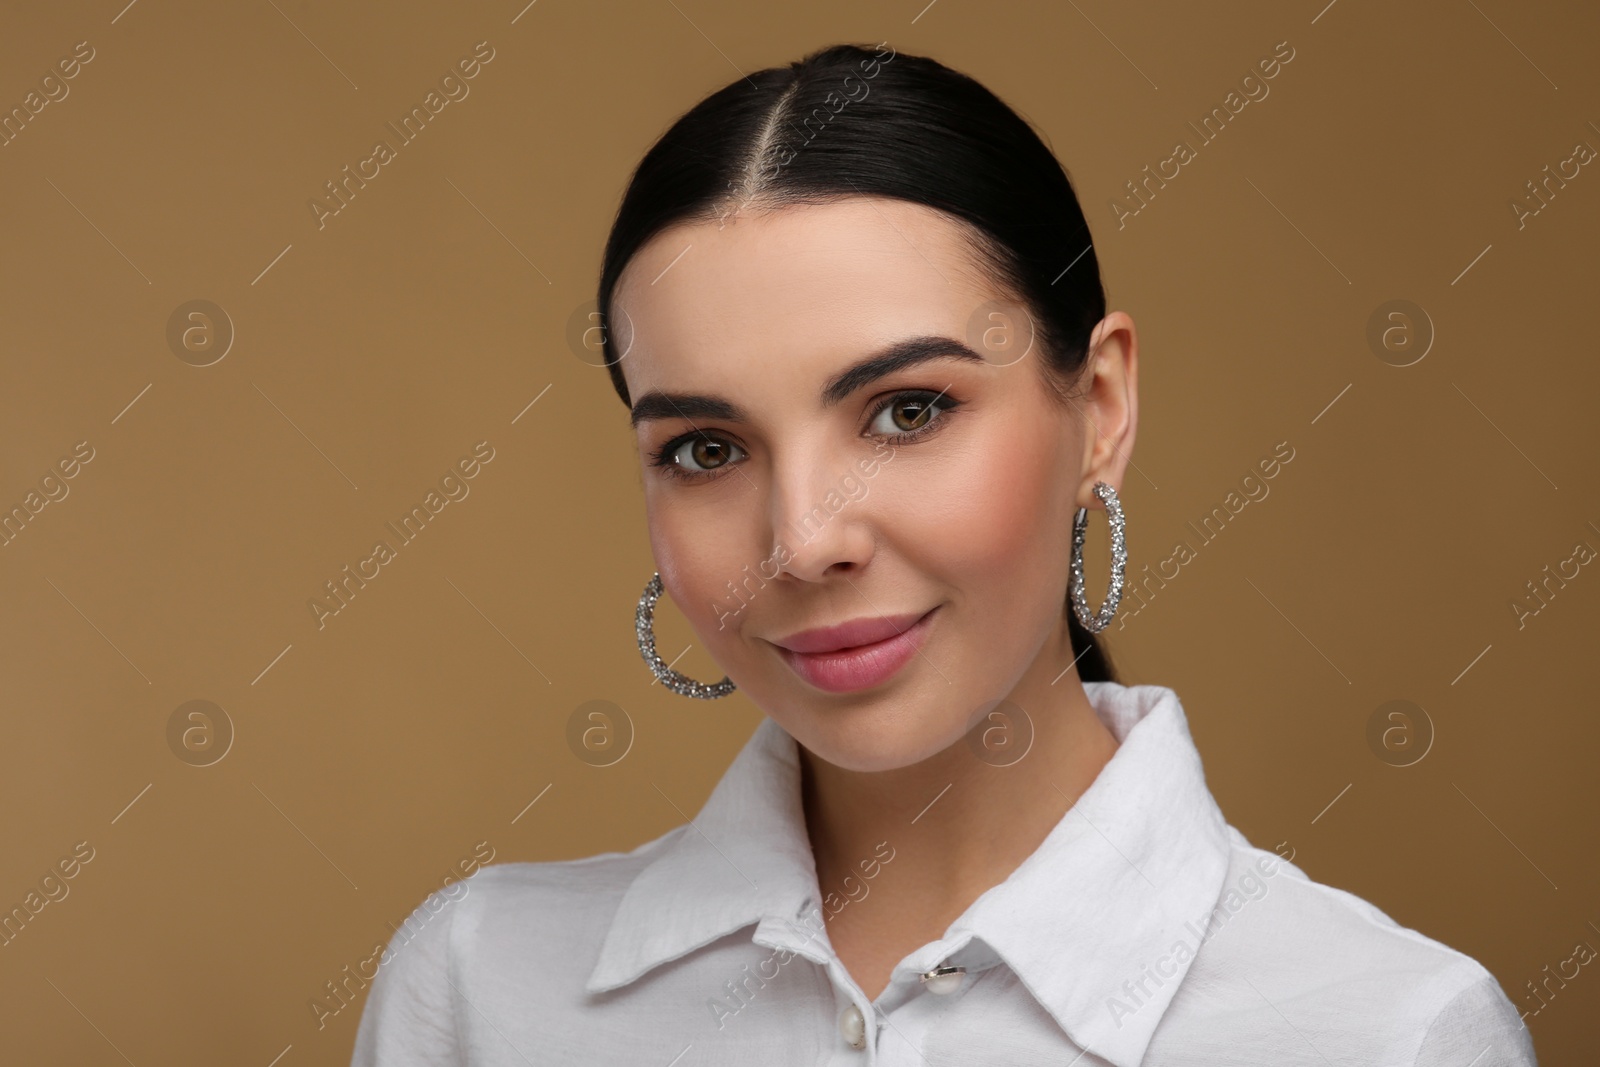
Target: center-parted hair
[[851, 120]]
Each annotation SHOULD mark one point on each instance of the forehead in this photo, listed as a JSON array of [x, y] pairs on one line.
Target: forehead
[[793, 293]]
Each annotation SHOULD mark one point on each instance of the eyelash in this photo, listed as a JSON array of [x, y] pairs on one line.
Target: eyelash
[[941, 402]]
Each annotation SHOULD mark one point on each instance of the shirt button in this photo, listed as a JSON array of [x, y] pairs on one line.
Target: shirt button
[[943, 980], [853, 1027]]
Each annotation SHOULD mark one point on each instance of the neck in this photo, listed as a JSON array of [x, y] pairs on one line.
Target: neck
[[957, 824]]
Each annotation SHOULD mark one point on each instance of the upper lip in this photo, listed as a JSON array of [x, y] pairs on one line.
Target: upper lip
[[863, 631]]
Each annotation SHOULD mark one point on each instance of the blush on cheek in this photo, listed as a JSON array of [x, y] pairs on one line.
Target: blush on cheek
[[1002, 506], [697, 556], [992, 523]]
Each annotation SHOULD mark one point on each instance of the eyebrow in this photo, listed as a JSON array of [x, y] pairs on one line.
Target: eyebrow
[[901, 354]]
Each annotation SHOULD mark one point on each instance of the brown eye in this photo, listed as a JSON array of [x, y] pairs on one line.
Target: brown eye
[[909, 413], [700, 454], [708, 453], [915, 412]]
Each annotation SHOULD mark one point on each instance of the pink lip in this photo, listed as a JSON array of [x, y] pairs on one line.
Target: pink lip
[[857, 655]]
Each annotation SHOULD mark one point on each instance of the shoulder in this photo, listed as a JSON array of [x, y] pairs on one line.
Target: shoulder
[[558, 904], [579, 882], [1286, 949], [512, 923]]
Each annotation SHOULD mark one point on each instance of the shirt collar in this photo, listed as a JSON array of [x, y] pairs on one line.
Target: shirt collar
[[746, 857], [1132, 870]]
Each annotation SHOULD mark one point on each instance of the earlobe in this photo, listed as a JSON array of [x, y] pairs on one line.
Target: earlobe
[[1087, 498]]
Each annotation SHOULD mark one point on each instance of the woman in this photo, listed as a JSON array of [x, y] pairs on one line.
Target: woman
[[858, 321]]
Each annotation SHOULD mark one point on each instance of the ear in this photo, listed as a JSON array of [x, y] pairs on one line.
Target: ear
[[1108, 404]]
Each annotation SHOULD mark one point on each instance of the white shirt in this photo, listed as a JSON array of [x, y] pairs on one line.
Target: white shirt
[[1144, 930]]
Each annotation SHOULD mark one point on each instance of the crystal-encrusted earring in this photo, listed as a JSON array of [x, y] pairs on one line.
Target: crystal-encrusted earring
[[682, 684], [1119, 560]]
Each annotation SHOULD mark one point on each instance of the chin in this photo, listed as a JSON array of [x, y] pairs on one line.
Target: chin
[[878, 735]]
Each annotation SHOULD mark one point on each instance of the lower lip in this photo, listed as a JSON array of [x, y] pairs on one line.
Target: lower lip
[[862, 667]]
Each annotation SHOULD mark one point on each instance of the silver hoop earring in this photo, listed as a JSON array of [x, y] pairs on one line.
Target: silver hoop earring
[[1119, 560], [682, 684]]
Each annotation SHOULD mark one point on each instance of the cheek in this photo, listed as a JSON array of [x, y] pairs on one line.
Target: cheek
[[699, 548], [1002, 523]]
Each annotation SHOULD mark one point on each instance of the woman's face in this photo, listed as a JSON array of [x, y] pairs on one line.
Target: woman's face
[[931, 505]]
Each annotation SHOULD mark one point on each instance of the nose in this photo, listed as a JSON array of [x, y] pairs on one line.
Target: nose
[[820, 512]]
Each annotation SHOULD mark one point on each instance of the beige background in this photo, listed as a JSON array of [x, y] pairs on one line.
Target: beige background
[[371, 755]]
